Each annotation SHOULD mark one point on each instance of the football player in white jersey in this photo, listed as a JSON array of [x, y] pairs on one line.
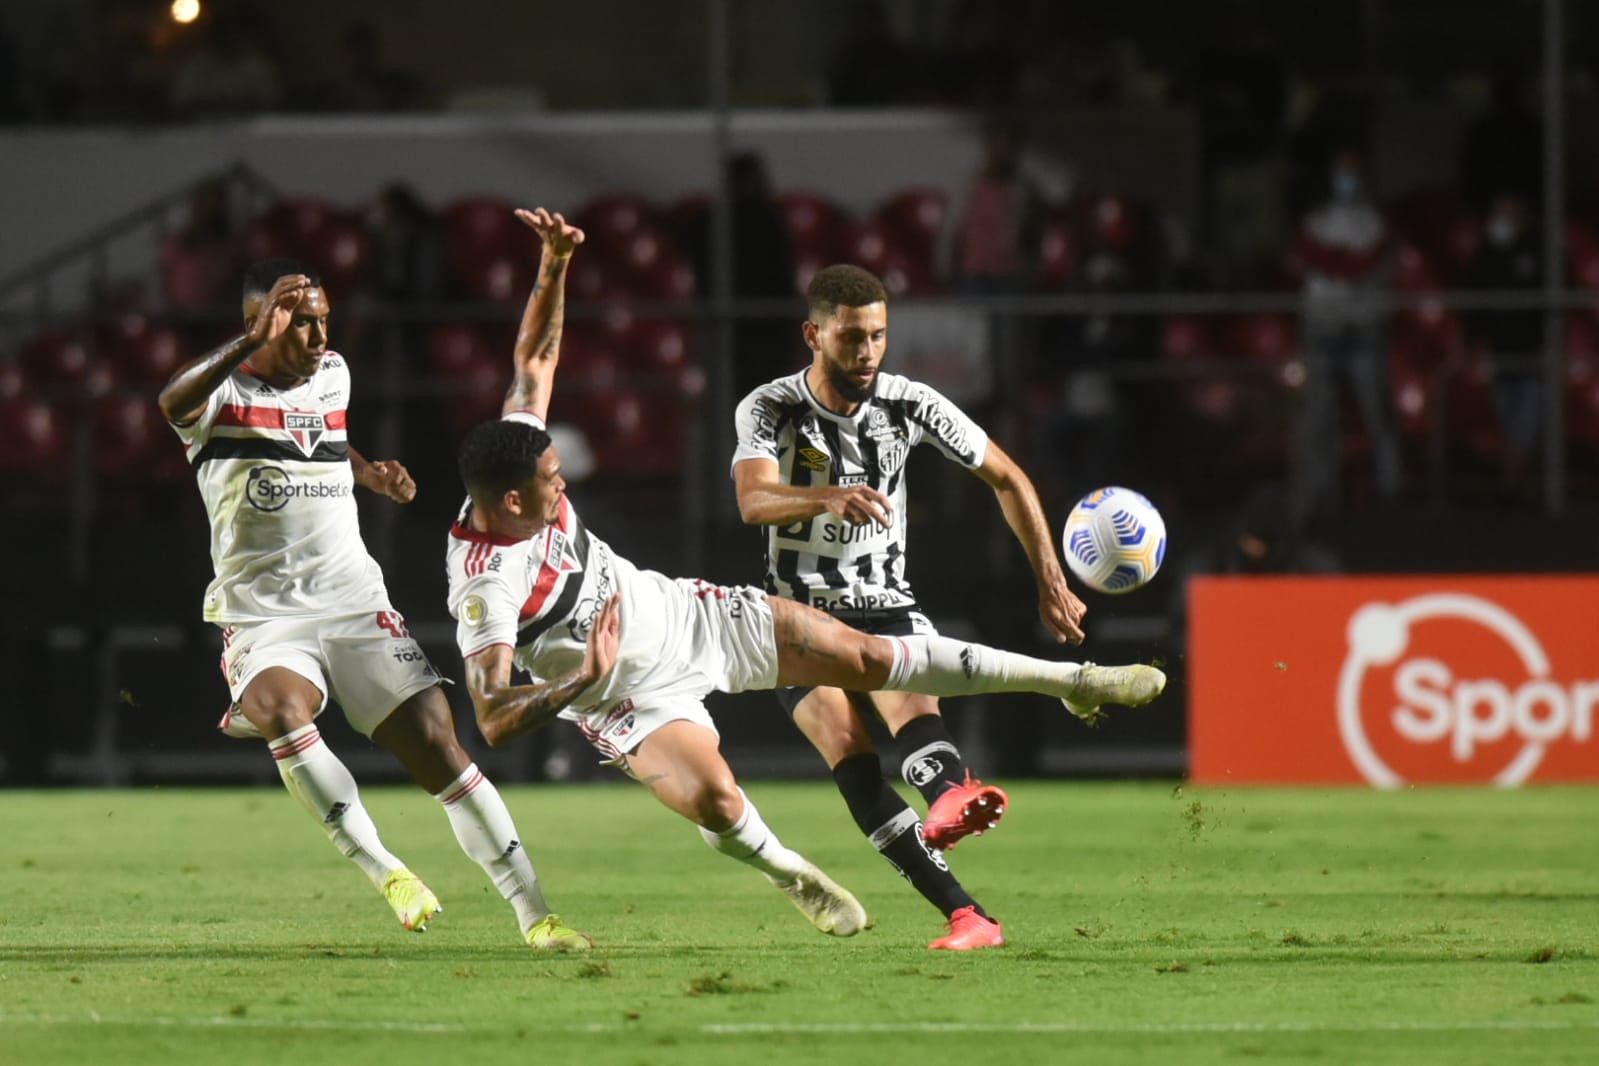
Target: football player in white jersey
[[630, 654], [820, 462], [528, 588], [303, 607]]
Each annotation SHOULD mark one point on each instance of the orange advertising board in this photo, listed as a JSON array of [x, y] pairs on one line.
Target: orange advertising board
[[1393, 680]]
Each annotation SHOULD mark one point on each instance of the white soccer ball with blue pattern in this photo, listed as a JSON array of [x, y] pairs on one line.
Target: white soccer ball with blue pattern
[[1115, 540]]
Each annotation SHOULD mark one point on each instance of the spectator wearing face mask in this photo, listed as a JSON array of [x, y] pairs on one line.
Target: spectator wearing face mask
[[1510, 259], [1341, 254]]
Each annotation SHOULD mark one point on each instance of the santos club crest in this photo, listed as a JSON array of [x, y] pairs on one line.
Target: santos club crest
[[307, 430]]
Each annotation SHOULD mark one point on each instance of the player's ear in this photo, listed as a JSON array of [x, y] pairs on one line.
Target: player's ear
[[811, 332], [512, 502]]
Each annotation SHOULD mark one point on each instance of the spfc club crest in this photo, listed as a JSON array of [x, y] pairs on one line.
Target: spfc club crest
[[306, 430]]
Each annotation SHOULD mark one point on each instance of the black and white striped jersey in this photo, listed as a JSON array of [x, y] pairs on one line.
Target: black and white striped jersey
[[825, 561]]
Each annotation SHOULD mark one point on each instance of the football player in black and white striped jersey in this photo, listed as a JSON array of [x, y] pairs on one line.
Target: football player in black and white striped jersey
[[820, 462]]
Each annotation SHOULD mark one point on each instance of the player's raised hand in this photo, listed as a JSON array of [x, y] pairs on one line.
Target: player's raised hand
[[557, 234], [605, 638], [859, 504], [392, 480], [277, 310], [1062, 612]]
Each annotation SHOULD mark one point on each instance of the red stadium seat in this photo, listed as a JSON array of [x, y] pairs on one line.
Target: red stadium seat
[[1057, 255], [1184, 337], [479, 228], [502, 278], [657, 344], [126, 429], [917, 217], [1414, 271], [141, 351], [301, 221], [1111, 223], [1411, 394], [816, 226], [1267, 338], [341, 255], [33, 439], [876, 248], [611, 220], [13, 382]]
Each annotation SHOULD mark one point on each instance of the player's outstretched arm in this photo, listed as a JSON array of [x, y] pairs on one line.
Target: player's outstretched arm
[[538, 339], [505, 710], [1059, 608], [764, 500], [184, 397]]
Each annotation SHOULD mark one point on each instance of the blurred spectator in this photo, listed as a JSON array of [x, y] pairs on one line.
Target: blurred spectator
[[1239, 86], [366, 81], [872, 67], [230, 69], [992, 240], [1342, 250], [763, 269], [1510, 258], [1503, 153], [201, 261], [407, 246]]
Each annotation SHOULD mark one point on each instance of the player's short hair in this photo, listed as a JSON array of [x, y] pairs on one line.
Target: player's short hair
[[843, 285], [499, 456], [261, 274]]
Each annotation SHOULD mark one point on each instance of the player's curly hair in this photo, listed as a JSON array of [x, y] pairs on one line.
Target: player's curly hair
[[843, 285], [499, 456]]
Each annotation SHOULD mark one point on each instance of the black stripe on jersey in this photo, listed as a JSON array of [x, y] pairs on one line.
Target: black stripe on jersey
[[801, 475], [870, 463], [891, 568], [912, 411], [896, 416], [787, 570], [567, 600], [262, 448]]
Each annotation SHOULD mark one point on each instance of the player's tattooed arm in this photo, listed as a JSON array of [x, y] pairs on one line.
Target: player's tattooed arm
[[505, 710], [185, 395], [538, 338]]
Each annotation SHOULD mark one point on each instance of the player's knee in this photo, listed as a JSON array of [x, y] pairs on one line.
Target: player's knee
[[719, 803], [275, 714], [876, 656]]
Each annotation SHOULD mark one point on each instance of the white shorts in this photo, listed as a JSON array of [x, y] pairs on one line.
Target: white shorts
[[722, 638], [368, 662], [618, 731]]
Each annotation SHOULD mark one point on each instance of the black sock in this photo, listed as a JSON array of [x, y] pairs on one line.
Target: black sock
[[930, 761], [896, 832]]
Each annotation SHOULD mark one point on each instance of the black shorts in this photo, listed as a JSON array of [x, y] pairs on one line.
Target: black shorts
[[904, 621]]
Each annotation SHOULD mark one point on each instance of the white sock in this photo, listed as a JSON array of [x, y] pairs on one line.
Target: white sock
[[939, 666], [752, 843], [324, 787], [488, 836]]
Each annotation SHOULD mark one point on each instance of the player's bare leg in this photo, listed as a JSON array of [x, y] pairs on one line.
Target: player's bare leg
[[682, 764], [281, 704], [421, 734], [814, 648], [830, 720]]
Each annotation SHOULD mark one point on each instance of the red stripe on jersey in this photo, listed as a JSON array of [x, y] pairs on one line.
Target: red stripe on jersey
[[271, 417], [548, 575]]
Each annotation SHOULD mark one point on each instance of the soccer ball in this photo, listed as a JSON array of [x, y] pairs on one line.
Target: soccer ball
[[1114, 540]]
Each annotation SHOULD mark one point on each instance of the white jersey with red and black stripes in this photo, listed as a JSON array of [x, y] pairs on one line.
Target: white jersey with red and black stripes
[[540, 597], [274, 471]]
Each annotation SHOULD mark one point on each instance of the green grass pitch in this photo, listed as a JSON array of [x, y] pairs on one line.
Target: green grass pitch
[[1147, 924]]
